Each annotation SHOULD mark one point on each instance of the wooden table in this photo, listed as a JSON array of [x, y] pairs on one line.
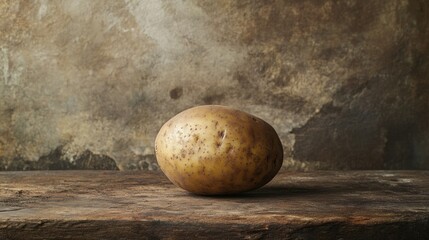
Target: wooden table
[[145, 205]]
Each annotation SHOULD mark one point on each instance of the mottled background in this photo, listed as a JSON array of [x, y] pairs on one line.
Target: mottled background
[[87, 84]]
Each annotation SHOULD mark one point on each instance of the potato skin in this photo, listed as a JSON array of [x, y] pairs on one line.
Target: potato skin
[[213, 149]]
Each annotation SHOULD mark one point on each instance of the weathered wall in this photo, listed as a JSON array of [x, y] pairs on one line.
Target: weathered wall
[[86, 83]]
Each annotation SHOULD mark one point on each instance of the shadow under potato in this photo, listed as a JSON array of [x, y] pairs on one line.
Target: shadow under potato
[[295, 191], [275, 192]]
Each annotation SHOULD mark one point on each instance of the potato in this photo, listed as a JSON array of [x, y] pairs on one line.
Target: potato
[[213, 149]]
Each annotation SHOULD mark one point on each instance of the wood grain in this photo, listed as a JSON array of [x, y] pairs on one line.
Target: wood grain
[[144, 205]]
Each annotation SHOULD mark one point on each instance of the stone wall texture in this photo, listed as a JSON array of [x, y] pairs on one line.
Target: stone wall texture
[[87, 84]]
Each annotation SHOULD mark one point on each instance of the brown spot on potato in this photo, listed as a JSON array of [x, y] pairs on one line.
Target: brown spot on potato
[[196, 137], [221, 134], [183, 153], [249, 153]]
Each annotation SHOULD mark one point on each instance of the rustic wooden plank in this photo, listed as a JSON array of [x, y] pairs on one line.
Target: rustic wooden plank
[[144, 205]]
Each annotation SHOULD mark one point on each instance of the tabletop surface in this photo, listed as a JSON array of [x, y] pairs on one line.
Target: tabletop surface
[[145, 205]]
